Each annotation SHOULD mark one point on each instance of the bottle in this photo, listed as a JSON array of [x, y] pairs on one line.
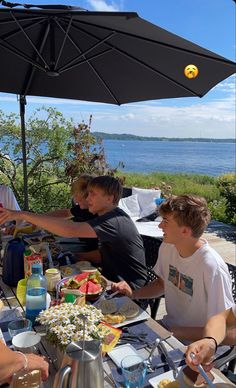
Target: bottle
[[36, 293]]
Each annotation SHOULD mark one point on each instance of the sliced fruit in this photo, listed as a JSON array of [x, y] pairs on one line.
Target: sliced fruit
[[90, 287]]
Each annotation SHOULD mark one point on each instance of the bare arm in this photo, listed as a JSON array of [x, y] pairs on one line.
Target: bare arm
[[64, 213], [11, 362], [151, 290], [204, 349], [59, 226]]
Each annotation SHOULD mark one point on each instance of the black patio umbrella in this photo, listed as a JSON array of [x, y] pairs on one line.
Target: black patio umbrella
[[110, 57]]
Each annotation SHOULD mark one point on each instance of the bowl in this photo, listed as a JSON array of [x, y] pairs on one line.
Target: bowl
[[26, 342]]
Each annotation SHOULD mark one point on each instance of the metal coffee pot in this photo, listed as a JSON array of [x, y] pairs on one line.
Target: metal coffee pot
[[86, 369]]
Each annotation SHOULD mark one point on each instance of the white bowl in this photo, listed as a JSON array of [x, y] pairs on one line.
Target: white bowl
[[26, 342]]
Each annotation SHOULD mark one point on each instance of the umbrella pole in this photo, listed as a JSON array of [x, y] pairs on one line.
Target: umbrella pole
[[22, 101]]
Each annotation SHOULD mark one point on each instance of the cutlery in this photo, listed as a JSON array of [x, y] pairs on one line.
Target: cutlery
[[112, 295], [202, 372], [161, 347], [149, 359]]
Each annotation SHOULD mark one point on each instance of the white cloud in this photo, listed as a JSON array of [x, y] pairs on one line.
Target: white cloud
[[102, 5]]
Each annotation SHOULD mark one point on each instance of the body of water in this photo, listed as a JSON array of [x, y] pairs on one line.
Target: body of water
[[207, 158]]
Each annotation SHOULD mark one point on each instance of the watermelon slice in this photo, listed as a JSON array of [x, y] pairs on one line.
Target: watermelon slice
[[90, 288]]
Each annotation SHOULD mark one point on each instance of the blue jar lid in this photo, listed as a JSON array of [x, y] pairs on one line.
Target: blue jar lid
[[37, 268]]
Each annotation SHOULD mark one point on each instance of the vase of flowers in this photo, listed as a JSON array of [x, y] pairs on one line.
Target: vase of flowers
[[65, 323]]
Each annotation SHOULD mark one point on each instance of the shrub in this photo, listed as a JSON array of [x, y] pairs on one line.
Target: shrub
[[227, 187]]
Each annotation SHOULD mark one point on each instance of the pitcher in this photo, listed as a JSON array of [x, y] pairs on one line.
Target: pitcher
[[86, 369]]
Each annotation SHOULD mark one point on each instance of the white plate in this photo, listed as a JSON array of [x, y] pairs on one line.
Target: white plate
[[142, 315], [169, 375], [119, 352]]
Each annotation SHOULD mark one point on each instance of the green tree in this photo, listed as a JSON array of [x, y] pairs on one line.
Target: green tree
[[57, 152]]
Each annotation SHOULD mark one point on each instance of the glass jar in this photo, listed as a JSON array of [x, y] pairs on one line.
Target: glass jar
[[53, 276]]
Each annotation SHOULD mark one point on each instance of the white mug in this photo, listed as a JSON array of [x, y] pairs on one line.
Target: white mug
[[26, 342]]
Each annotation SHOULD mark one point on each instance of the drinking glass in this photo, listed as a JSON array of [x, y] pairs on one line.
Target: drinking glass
[[19, 326], [134, 371]]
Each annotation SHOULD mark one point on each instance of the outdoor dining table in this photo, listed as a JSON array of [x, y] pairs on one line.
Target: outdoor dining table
[[8, 295]]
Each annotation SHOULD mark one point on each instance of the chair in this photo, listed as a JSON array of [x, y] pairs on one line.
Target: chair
[[151, 247], [230, 355]]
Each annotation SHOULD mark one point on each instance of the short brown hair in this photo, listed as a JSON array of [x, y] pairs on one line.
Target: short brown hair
[[188, 210], [110, 186], [80, 185]]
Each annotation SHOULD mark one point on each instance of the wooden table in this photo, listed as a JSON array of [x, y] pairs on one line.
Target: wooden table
[[10, 300]]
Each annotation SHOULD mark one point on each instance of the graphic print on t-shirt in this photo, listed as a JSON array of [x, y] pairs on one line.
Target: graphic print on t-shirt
[[181, 281]]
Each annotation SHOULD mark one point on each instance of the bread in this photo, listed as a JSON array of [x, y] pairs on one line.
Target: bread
[[113, 319], [129, 309], [107, 306], [165, 383], [194, 379]]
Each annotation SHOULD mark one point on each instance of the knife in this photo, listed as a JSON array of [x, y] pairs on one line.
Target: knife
[[161, 347]]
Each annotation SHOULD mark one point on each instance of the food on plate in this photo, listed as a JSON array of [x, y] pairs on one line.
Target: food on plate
[[110, 336], [194, 379], [89, 287], [107, 306], [166, 383], [89, 284], [129, 309], [113, 319]]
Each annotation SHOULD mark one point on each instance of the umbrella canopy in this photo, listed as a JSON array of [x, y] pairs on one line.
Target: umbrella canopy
[[110, 57]]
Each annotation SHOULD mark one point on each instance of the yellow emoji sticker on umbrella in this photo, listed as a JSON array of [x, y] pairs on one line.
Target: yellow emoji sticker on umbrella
[[191, 71]]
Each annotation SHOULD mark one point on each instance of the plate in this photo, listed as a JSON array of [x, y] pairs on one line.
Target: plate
[[120, 352], [154, 381], [142, 315], [169, 375]]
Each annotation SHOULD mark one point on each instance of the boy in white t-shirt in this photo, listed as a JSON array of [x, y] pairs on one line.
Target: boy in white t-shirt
[[193, 277]]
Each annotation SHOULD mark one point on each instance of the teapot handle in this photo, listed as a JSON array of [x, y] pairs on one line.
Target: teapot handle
[[60, 377]]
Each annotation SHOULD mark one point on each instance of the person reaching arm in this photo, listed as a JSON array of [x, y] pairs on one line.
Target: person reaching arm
[[12, 362], [213, 333]]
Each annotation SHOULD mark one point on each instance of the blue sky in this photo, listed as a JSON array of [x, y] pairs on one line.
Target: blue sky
[[208, 23]]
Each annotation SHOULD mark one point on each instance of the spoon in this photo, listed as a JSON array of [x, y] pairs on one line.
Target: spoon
[[202, 372]]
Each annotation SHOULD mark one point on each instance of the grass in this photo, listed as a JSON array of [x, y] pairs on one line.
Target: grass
[[201, 185]]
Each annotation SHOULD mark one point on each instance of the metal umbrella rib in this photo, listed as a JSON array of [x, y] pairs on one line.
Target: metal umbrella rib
[[109, 57]]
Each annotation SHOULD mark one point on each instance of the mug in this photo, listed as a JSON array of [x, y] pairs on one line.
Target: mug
[[26, 342]]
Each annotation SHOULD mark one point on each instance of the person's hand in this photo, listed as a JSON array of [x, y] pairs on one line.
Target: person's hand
[[39, 363], [204, 351], [122, 287], [7, 215]]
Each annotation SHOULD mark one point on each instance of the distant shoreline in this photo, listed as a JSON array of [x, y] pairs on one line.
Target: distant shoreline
[[123, 136]]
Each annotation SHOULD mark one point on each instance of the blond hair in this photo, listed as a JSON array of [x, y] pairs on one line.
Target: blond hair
[[80, 185], [188, 210]]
